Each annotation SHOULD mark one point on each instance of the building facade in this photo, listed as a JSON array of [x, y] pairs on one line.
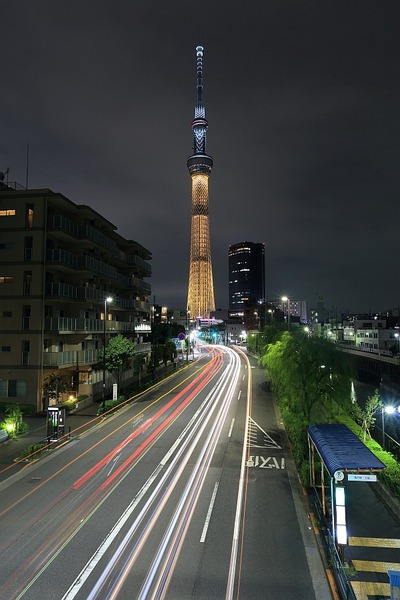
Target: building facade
[[59, 262], [247, 283], [200, 300]]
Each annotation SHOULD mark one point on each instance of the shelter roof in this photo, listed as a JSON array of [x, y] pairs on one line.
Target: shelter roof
[[341, 450]]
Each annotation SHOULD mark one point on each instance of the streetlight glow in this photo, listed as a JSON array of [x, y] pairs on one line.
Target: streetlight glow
[[389, 410], [106, 301], [286, 299]]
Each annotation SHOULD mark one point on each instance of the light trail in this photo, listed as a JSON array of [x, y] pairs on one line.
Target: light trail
[[242, 491], [99, 443], [54, 544], [174, 535], [184, 446]]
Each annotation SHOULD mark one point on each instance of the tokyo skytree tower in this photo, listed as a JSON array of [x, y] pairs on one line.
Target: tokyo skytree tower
[[200, 299]]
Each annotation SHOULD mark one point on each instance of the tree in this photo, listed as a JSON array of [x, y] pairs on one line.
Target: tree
[[365, 417], [118, 353], [13, 423], [54, 385], [169, 352], [307, 369], [258, 342], [138, 362]]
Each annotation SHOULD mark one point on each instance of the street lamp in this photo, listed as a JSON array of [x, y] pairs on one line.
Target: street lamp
[[397, 336], [286, 299], [389, 410], [106, 301]]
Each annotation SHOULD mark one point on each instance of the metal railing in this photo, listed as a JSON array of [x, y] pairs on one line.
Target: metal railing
[[72, 324], [81, 357], [338, 569]]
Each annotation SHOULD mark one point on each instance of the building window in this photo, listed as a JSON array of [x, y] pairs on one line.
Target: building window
[[28, 247], [7, 213], [27, 283], [6, 245], [29, 215], [7, 313], [26, 317], [6, 348], [12, 388], [25, 347], [6, 279]]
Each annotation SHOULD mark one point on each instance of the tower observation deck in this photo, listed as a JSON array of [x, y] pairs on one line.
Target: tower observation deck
[[200, 301]]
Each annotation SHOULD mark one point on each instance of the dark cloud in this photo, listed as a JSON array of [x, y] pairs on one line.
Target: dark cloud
[[303, 105]]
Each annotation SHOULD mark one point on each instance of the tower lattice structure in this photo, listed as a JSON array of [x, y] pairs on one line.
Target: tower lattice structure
[[200, 301]]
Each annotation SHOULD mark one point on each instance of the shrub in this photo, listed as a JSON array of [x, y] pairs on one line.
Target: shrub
[[32, 449], [110, 404]]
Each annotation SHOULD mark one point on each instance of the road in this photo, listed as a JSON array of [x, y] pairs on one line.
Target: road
[[188, 493]]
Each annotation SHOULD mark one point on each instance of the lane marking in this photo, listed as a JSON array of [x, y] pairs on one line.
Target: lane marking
[[208, 516], [364, 589], [264, 463], [231, 428], [374, 542], [254, 431], [375, 566]]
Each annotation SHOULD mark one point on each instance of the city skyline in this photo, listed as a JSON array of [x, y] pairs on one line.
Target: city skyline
[[305, 133]]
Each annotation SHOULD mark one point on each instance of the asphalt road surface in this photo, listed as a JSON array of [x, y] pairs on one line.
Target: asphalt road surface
[[189, 493]]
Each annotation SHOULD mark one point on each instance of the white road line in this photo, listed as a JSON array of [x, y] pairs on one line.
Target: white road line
[[231, 428], [208, 516]]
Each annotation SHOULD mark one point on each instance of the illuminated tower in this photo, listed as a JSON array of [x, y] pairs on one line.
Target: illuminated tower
[[201, 288]]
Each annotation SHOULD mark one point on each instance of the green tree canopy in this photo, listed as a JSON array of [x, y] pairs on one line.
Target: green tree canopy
[[365, 416], [307, 369], [169, 351], [54, 385], [258, 342], [119, 351]]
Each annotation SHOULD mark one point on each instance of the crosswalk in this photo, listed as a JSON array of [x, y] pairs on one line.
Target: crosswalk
[[364, 587], [258, 438]]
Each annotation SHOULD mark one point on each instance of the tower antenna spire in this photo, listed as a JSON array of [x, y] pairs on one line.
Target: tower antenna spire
[[199, 54]]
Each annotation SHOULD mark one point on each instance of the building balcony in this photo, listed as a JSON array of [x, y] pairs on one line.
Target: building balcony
[[142, 264], [81, 357], [141, 285], [86, 294], [141, 305], [79, 325], [87, 263], [69, 358]]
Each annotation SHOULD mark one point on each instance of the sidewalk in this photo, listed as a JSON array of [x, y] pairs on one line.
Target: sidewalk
[[12, 448], [374, 540]]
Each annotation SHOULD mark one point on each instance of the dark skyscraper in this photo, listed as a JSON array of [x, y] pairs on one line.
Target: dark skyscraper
[[247, 282]]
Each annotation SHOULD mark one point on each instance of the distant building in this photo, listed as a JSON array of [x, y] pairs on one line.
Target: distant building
[[247, 283], [179, 316], [371, 334], [277, 310], [319, 314], [59, 261], [159, 314]]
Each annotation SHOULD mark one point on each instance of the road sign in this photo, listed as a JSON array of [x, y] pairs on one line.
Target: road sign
[[360, 477], [181, 336]]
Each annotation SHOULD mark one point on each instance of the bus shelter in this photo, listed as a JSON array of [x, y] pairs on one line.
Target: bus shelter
[[337, 456]]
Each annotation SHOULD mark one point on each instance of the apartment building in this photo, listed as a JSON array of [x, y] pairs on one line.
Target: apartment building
[[59, 262]]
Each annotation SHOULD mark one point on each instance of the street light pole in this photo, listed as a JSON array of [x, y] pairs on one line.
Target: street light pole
[[397, 336], [286, 299], [389, 410], [109, 299]]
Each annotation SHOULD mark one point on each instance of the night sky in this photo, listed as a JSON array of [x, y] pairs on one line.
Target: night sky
[[303, 104]]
